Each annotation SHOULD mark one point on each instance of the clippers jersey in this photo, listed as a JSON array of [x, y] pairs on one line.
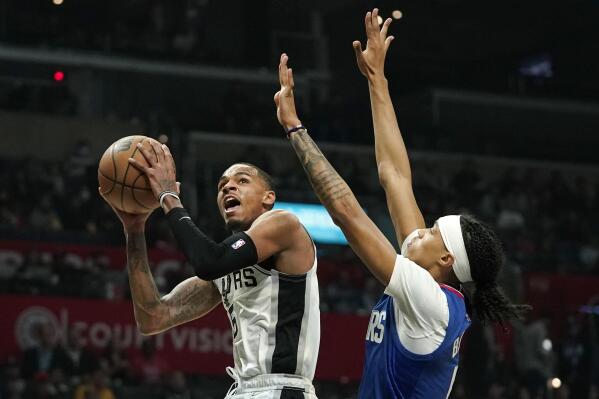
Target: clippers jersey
[[275, 320], [413, 338]]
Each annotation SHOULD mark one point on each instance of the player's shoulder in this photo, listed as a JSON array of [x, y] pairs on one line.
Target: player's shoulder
[[280, 219]]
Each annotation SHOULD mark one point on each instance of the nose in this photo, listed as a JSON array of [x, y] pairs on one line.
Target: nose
[[230, 186]]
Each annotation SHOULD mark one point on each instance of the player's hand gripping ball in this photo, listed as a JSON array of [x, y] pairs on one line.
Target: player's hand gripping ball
[[122, 184]]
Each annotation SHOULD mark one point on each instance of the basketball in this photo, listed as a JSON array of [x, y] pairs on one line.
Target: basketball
[[123, 185]]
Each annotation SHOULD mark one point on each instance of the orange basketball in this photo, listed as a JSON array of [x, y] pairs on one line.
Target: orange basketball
[[123, 185]]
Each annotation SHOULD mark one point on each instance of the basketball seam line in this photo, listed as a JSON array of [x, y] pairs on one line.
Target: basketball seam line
[[122, 184], [133, 193], [125, 177]]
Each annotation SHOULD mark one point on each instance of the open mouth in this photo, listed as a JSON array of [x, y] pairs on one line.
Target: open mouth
[[231, 204]]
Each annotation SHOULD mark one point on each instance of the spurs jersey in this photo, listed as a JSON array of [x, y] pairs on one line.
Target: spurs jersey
[[275, 320]]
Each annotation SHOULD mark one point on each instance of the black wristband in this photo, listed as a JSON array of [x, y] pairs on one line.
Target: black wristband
[[294, 129]]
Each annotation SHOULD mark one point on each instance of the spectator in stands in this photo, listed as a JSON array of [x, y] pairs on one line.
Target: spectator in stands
[[176, 387], [574, 359], [149, 367], [115, 363], [11, 383], [96, 387], [82, 361], [46, 355], [534, 356]]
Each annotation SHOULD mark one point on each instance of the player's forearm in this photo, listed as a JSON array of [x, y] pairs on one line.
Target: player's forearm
[[391, 154], [147, 306], [332, 191], [209, 259]]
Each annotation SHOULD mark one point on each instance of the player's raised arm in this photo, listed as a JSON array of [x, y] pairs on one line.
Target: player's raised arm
[[392, 159], [154, 313], [363, 235]]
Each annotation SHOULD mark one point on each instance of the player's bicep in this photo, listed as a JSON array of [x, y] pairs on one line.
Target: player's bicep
[[189, 300], [369, 243], [274, 232], [403, 208]]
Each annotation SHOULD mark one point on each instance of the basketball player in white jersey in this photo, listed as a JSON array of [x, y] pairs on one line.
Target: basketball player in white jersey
[[264, 274]]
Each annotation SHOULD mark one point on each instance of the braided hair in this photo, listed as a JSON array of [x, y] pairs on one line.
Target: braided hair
[[485, 254]]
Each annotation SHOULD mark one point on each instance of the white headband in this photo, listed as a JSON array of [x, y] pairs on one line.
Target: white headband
[[451, 232]]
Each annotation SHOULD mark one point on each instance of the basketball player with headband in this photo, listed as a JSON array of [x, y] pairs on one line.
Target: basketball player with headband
[[415, 330]]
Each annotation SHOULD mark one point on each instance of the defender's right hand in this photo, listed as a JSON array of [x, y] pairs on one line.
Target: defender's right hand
[[131, 222], [286, 113]]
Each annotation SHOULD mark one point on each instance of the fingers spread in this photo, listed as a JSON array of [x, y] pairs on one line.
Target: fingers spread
[[385, 28], [150, 158], [368, 24], [158, 151], [168, 157], [388, 42], [139, 166]]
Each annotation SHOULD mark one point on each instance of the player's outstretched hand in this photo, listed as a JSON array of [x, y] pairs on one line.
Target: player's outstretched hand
[[286, 113], [161, 170], [132, 222], [372, 60]]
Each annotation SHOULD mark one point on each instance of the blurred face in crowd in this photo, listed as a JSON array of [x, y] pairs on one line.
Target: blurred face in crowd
[[243, 196], [46, 335], [428, 250]]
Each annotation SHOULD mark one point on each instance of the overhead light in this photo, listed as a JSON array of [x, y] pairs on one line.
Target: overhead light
[[58, 76], [57, 2], [379, 19], [556, 383], [396, 14]]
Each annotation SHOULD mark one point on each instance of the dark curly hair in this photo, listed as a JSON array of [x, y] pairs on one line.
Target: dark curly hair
[[486, 257]]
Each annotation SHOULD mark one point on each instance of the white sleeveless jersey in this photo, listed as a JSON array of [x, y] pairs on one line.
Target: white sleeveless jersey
[[275, 320]]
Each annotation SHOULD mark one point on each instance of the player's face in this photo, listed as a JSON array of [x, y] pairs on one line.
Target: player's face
[[241, 194], [426, 248]]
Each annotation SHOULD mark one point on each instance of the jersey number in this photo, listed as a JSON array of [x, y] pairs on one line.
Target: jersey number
[[376, 329], [233, 321]]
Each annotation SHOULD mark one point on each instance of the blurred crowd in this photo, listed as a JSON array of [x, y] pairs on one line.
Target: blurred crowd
[[525, 364], [56, 367]]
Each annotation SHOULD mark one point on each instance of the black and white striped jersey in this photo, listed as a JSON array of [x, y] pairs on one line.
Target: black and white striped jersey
[[275, 320]]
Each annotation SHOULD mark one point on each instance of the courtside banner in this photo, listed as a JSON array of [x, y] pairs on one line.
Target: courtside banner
[[201, 346]]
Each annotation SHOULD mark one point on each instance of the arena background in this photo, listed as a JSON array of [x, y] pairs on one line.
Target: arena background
[[499, 106]]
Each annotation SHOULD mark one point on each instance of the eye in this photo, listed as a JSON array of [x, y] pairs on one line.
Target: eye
[[244, 180]]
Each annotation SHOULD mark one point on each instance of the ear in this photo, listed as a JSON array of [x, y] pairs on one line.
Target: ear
[[446, 260], [269, 199]]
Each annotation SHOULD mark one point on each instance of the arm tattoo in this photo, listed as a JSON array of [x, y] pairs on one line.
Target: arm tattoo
[[192, 300], [327, 184], [189, 300], [143, 289]]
